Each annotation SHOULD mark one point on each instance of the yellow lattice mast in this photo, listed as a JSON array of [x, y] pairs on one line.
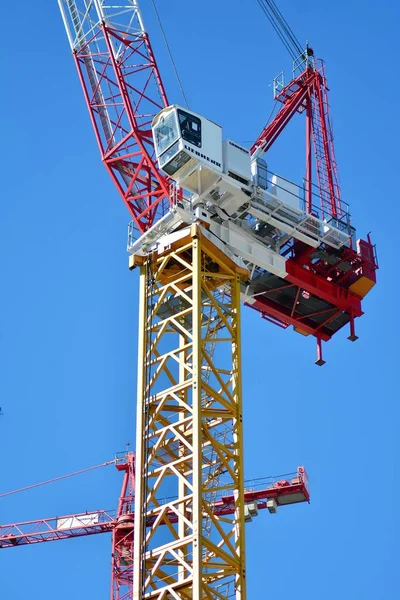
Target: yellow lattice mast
[[189, 422]]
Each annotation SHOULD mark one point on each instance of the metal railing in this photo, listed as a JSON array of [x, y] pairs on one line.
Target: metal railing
[[285, 201], [314, 191]]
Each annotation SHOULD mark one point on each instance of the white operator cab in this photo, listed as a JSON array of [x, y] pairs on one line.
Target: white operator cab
[[189, 149]]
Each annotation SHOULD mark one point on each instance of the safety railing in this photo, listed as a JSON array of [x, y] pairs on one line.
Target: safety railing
[[133, 234], [278, 84], [303, 477], [308, 196], [266, 483], [299, 207]]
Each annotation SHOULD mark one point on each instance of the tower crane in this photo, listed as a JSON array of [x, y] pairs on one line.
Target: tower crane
[[262, 493], [212, 228]]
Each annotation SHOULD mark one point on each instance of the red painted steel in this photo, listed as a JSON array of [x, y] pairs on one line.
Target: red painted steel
[[308, 180], [309, 92], [122, 535], [268, 309], [123, 95], [323, 146], [121, 522], [323, 288], [48, 530], [293, 98], [327, 279]]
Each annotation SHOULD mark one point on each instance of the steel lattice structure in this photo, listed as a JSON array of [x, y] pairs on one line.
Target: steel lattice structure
[[262, 493], [189, 426], [123, 92], [119, 523], [308, 92], [122, 534]]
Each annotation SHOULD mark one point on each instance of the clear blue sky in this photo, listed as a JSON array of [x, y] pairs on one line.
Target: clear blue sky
[[68, 319]]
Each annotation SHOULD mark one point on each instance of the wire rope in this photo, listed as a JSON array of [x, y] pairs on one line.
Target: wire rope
[[170, 53], [281, 27], [276, 28], [285, 27], [34, 485]]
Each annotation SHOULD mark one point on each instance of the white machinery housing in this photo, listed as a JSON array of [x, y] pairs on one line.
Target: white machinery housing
[[249, 213], [228, 188]]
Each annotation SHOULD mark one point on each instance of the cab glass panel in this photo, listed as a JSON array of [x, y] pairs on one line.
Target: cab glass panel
[[165, 132], [190, 128]]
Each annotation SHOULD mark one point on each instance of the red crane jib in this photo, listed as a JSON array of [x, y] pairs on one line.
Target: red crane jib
[[122, 123], [45, 530]]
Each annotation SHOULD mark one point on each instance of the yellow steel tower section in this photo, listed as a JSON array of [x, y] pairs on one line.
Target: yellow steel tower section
[[189, 422]]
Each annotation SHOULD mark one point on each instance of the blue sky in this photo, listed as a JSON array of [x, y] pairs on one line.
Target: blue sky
[[68, 320]]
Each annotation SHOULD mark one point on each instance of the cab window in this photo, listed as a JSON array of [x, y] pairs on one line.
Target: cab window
[[190, 128], [165, 133]]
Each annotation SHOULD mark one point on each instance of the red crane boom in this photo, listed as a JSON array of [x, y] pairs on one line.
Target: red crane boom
[[123, 92], [291, 490]]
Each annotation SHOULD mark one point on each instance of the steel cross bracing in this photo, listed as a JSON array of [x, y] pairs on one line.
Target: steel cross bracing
[[56, 528], [123, 92], [261, 493], [120, 523], [290, 488], [189, 418], [122, 534], [308, 92], [324, 148]]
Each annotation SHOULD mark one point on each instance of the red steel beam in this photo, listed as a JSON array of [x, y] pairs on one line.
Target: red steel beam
[[322, 288], [292, 100], [48, 530]]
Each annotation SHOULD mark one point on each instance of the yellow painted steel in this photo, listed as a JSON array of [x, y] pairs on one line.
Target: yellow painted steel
[[362, 286], [189, 425]]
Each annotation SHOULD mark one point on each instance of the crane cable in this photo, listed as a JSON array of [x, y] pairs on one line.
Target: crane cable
[[286, 28], [282, 28], [29, 487], [170, 53], [275, 17]]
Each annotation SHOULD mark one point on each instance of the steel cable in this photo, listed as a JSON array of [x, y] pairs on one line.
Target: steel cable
[[29, 487], [170, 53], [281, 27]]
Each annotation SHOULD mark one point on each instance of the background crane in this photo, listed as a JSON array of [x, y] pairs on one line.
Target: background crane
[[267, 492]]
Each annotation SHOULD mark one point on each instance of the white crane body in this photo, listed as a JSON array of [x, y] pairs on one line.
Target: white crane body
[[242, 208]]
